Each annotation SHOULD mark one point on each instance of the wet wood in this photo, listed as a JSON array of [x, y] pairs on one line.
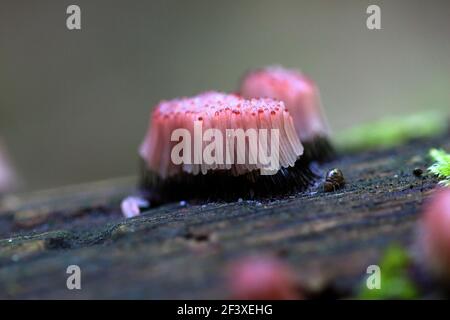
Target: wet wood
[[181, 251]]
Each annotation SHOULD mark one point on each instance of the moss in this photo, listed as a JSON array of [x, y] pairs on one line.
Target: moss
[[392, 131], [441, 165], [395, 280]]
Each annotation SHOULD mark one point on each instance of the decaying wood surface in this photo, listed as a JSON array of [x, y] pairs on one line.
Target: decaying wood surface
[[182, 251]]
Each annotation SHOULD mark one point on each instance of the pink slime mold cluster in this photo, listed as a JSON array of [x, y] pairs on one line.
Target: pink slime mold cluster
[[299, 93], [216, 110]]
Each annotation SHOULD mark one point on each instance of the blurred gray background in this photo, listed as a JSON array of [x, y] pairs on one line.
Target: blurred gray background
[[74, 105]]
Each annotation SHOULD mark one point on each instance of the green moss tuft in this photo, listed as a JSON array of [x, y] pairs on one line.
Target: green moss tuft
[[441, 165], [392, 131], [395, 280]]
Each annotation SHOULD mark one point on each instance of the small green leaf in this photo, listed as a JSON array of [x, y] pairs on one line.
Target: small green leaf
[[395, 280], [441, 165]]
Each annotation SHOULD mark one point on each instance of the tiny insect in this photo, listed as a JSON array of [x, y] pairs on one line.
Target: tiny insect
[[334, 180]]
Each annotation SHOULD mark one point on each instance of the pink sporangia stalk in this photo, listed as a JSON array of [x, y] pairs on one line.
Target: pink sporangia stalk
[[434, 236], [301, 97], [262, 278], [215, 110], [299, 93], [132, 205]]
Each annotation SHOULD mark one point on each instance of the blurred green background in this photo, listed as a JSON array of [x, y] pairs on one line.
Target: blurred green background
[[74, 105]]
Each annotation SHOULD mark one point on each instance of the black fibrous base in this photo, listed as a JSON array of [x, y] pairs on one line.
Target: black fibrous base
[[221, 185], [319, 149]]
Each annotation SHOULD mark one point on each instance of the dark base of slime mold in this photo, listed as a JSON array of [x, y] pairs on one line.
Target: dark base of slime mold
[[319, 149], [221, 185]]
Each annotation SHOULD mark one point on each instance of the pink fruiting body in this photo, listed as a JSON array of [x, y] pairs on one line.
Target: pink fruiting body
[[298, 92], [262, 278], [216, 110], [435, 233], [131, 206], [7, 175]]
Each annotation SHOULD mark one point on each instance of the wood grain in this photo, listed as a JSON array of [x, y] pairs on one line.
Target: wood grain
[[176, 251]]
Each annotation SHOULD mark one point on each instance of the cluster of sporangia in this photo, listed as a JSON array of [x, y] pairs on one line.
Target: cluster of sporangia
[[269, 98]]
